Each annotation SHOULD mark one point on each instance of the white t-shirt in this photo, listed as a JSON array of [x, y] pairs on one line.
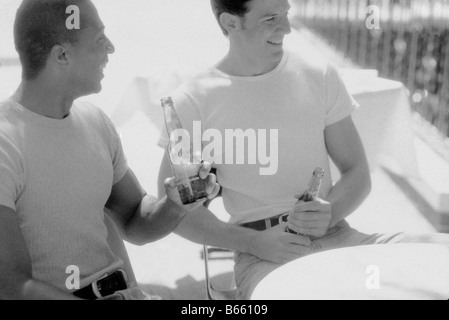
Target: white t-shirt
[[57, 176], [299, 99]]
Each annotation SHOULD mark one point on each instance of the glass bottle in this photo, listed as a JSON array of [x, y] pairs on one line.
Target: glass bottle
[[185, 169], [313, 188], [312, 191]]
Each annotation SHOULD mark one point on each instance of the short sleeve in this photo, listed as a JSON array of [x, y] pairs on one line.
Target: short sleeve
[[188, 113], [12, 173], [339, 103], [119, 161]]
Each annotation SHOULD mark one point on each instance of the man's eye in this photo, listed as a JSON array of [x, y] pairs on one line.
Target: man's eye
[[271, 19]]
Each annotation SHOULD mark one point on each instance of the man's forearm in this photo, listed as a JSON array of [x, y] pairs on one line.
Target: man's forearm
[[349, 193], [203, 227], [153, 220]]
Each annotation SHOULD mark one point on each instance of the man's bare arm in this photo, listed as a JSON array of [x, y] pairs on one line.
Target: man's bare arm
[[140, 217], [16, 281], [203, 227], [344, 146], [346, 150]]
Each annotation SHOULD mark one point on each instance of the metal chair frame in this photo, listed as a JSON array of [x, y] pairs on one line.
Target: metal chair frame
[[211, 292]]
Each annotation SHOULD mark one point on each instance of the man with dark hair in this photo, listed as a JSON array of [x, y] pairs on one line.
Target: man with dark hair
[[238, 8], [62, 168], [34, 38], [259, 86]]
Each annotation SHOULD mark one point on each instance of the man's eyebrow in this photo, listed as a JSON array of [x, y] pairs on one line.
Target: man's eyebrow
[[275, 13], [96, 28], [269, 15]]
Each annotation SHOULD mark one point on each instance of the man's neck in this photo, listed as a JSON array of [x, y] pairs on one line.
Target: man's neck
[[48, 100], [237, 64]]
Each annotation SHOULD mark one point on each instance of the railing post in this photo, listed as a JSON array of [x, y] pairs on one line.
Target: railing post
[[400, 45], [415, 30], [387, 42], [363, 48], [443, 107], [348, 28]]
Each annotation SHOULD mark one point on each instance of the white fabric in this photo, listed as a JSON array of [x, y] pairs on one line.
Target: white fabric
[[299, 98], [57, 176], [375, 272]]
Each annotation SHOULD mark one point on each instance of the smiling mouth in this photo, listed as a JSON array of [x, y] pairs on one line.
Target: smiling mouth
[[275, 43]]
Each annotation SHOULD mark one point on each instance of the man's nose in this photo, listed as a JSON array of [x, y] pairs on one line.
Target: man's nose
[[285, 25], [110, 46]]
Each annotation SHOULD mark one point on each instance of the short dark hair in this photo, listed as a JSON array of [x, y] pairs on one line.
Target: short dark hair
[[39, 26], [236, 7]]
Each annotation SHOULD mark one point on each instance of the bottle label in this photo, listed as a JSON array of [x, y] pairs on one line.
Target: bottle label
[[192, 189]]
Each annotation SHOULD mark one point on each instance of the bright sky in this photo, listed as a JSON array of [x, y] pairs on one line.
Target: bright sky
[[144, 29], [151, 37]]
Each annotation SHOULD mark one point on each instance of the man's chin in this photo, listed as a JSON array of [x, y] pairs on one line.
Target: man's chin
[[99, 88], [89, 92], [95, 89]]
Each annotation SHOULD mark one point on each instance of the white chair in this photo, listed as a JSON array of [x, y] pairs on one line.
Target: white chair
[[211, 292]]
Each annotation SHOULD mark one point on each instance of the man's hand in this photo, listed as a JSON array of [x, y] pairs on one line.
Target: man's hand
[[277, 246], [311, 218], [212, 188]]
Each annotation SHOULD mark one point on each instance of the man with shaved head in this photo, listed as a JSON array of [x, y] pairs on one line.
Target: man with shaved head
[[62, 167]]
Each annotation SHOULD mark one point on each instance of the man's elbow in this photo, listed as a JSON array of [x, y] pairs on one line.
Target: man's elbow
[[361, 176], [137, 241], [367, 182], [141, 236], [137, 236], [134, 239], [369, 185]]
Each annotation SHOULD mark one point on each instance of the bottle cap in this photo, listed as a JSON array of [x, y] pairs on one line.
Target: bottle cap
[[165, 101], [319, 173]]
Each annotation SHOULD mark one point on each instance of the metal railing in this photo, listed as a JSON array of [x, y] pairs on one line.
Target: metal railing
[[411, 44]]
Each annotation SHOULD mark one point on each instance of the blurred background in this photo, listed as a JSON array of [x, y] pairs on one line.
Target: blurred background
[[398, 72], [411, 46]]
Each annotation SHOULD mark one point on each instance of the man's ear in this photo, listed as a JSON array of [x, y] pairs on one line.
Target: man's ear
[[230, 22], [59, 55]]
